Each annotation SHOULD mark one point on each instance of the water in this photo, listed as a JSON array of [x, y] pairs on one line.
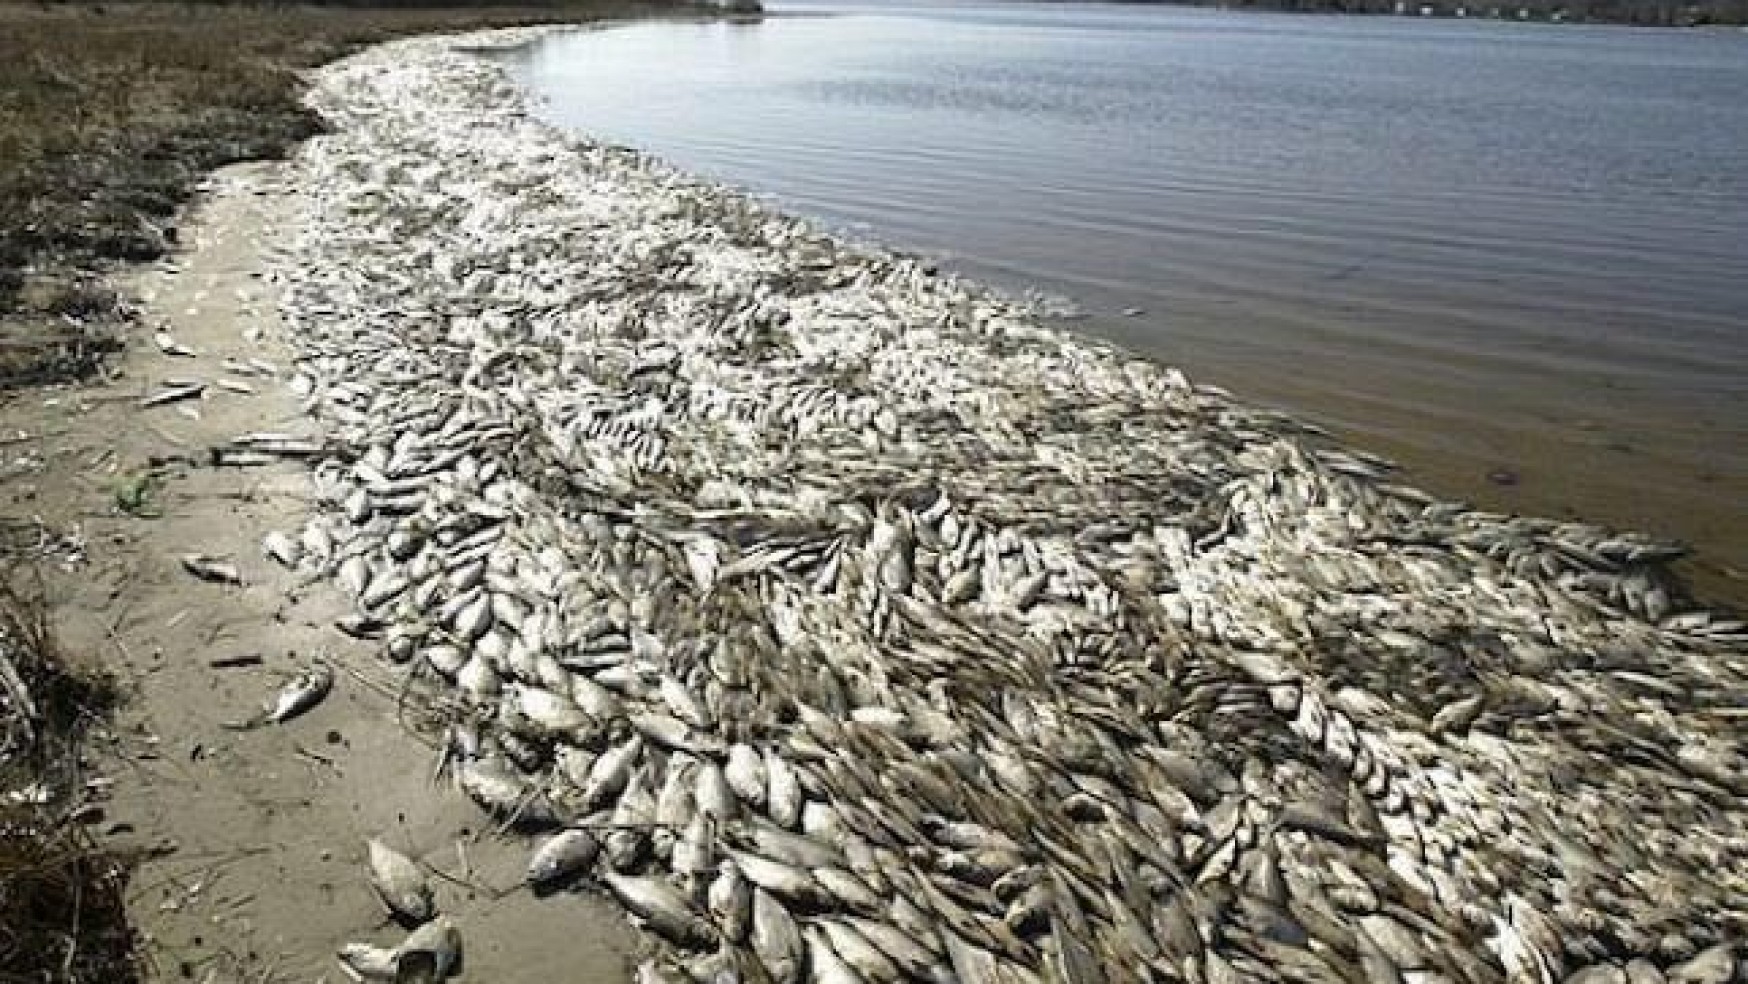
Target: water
[[1482, 248]]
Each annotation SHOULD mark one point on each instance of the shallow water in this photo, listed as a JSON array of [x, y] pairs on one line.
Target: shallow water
[[1478, 247]]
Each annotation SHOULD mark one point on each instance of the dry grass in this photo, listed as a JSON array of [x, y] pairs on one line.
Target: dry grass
[[110, 115], [62, 903]]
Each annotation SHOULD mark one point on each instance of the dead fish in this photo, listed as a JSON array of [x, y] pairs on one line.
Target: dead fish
[[562, 854], [714, 796], [776, 940], [972, 964], [825, 965], [850, 891], [796, 849], [783, 790], [1716, 965], [730, 900], [170, 346], [399, 882], [301, 694], [745, 773], [173, 394], [364, 627], [903, 949], [862, 956], [282, 549], [693, 853], [782, 879], [429, 953], [685, 704], [632, 816], [662, 908], [363, 962], [211, 569], [1456, 717], [609, 774], [505, 794]]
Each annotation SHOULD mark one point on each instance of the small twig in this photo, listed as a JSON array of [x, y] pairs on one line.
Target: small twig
[[467, 883], [222, 860], [306, 753], [232, 662]]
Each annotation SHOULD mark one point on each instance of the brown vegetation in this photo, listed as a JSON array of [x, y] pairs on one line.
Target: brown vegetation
[[62, 901], [110, 115]]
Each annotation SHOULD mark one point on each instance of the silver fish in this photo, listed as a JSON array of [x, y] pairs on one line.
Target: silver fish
[[776, 939], [730, 899], [783, 791], [211, 569], [363, 962], [824, 964], [428, 954], [561, 855], [399, 882], [867, 960], [662, 908], [305, 691]]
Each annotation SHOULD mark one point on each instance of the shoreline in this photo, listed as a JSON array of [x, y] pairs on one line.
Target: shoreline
[[1463, 385], [704, 416], [639, 468]]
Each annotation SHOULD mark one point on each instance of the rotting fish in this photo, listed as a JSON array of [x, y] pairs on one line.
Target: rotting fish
[[174, 393], [862, 956], [783, 790], [211, 569], [502, 792], [363, 962], [429, 954], [282, 549], [1105, 674], [562, 855], [304, 691], [662, 908], [730, 899], [399, 882], [776, 939]]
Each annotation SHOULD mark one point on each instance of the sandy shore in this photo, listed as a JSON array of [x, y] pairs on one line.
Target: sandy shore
[[255, 840], [628, 453]]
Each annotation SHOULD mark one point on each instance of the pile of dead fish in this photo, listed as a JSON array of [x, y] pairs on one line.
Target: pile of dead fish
[[849, 624]]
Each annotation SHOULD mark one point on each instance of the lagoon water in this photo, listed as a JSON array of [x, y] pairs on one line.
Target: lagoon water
[[1482, 248]]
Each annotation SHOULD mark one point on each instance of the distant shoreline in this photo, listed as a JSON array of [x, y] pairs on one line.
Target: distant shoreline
[[1624, 13]]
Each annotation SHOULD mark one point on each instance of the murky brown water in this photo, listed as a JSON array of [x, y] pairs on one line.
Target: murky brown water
[[1477, 247]]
